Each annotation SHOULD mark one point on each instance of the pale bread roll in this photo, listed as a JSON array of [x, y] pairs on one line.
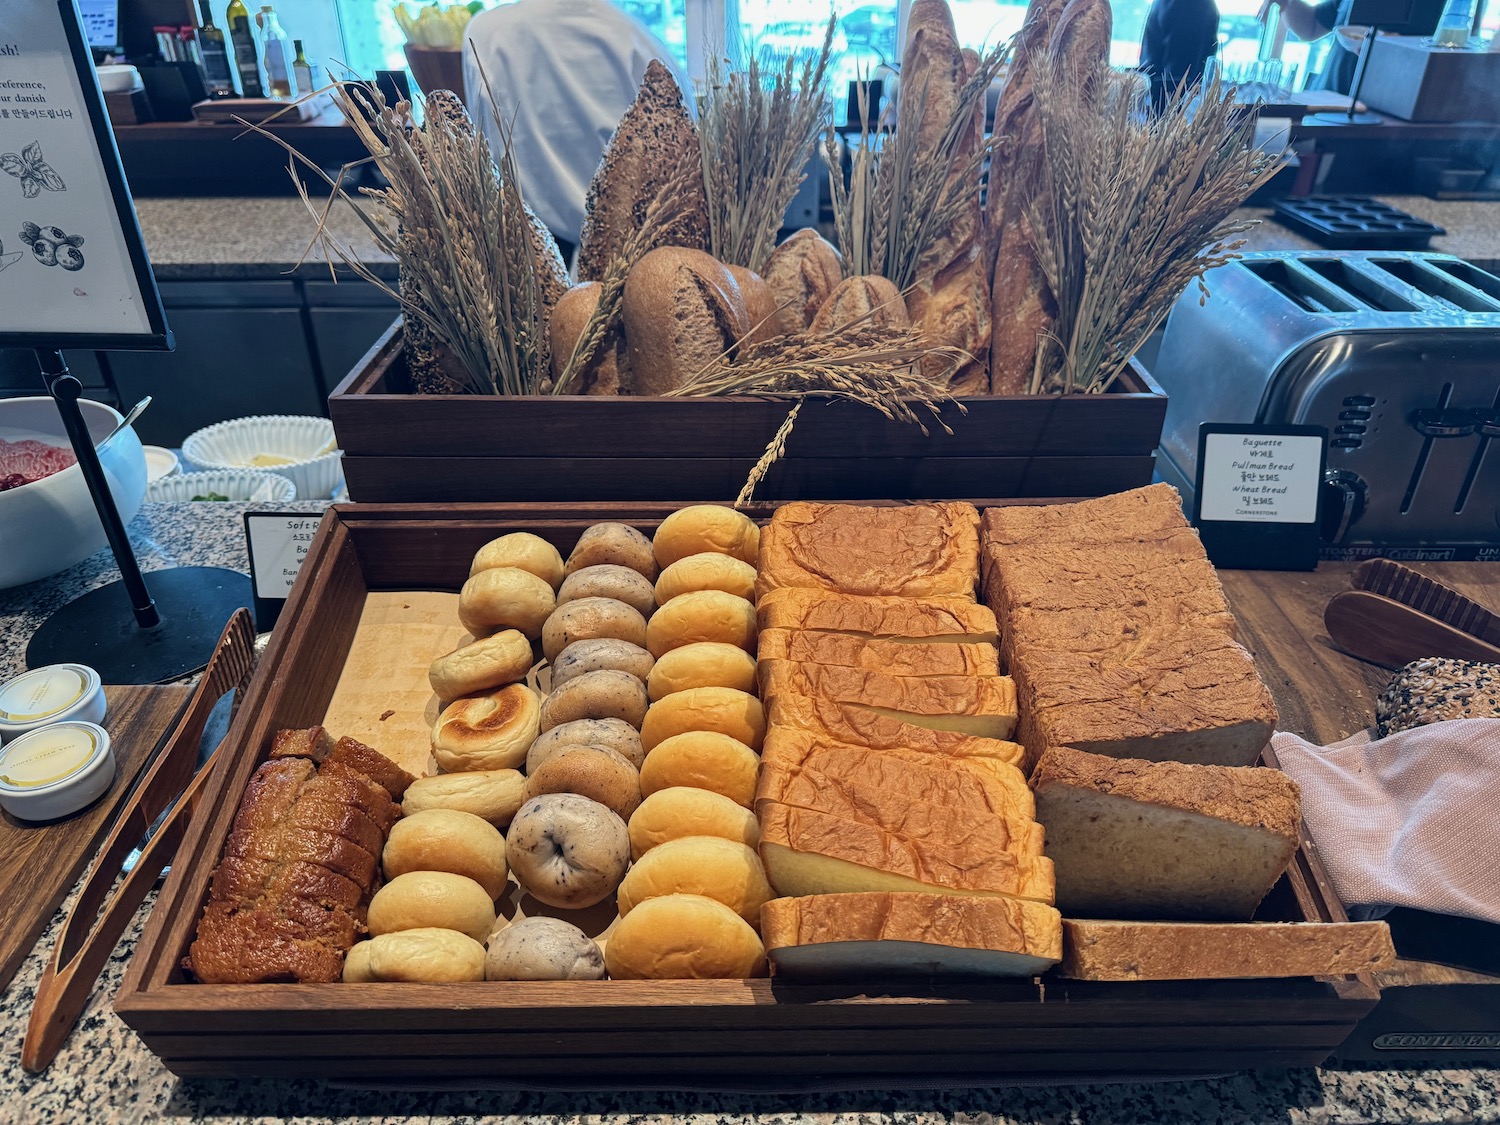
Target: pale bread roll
[[492, 795], [871, 300], [447, 840], [608, 580], [487, 732], [706, 571], [616, 734], [598, 653], [524, 551], [436, 899], [489, 662], [703, 615], [705, 664], [605, 694], [737, 714], [682, 810], [683, 937], [802, 272], [589, 619], [595, 772], [706, 528], [723, 870], [703, 760], [613, 544], [567, 850], [543, 948], [505, 597], [426, 954]]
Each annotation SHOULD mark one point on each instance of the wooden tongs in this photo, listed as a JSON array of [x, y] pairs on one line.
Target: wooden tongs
[[1396, 615], [98, 918]]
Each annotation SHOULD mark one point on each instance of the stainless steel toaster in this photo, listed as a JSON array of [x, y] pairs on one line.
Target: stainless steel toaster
[[1396, 354]]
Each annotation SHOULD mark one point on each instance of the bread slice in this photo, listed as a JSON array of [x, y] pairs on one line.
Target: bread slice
[[863, 726], [795, 761], [806, 852], [976, 705], [879, 934], [1113, 950], [921, 550], [878, 654], [928, 620], [1136, 839]]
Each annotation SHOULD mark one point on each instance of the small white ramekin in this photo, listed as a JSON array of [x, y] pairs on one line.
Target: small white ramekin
[[56, 770], [58, 693]]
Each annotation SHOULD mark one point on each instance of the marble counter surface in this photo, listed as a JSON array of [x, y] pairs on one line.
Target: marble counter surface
[[104, 1073]]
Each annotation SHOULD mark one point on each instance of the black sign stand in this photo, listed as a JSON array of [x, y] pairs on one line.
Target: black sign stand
[[126, 631]]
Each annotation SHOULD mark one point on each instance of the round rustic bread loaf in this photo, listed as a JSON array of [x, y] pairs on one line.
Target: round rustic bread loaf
[[597, 654], [613, 544], [737, 714], [683, 937], [566, 850], [870, 299], [492, 795], [607, 580], [683, 810], [706, 529], [590, 619], [505, 597], [706, 571], [802, 272], [723, 870], [437, 899], [605, 694], [703, 759], [596, 772], [760, 307], [492, 731], [428, 954], [570, 316], [524, 551], [489, 662], [704, 664], [682, 310], [447, 840], [543, 948], [616, 734], [703, 615]]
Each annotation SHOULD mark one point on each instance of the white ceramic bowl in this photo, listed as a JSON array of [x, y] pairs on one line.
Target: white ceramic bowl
[[160, 463], [232, 484], [118, 78], [50, 524], [298, 448]]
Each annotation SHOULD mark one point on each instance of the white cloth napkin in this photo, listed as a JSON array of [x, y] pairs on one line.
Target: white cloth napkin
[[1412, 819]]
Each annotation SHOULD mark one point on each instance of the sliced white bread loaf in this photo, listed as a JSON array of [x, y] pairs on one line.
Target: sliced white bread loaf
[[1137, 839], [879, 654], [1114, 950], [859, 725], [928, 620], [880, 934]]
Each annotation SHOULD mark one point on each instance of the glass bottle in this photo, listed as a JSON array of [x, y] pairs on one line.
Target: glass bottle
[[213, 51], [275, 54], [1453, 25], [302, 70], [246, 59]]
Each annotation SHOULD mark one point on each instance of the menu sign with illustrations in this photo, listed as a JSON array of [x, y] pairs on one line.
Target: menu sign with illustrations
[[73, 268]]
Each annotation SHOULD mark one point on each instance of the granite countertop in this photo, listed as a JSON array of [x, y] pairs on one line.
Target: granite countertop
[[1473, 228], [105, 1074]]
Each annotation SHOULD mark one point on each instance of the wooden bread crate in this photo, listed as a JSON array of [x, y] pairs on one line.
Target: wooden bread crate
[[401, 447], [626, 1033]]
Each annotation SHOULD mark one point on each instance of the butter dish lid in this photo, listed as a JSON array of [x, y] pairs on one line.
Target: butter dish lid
[[56, 693], [55, 770]]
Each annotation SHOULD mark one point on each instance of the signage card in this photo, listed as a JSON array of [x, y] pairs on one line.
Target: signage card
[[277, 543], [1256, 504]]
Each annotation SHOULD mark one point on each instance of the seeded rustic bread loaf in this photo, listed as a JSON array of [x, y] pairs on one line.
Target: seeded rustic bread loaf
[[653, 139], [802, 272], [859, 725], [925, 550], [682, 310], [1136, 839], [869, 299], [929, 620], [807, 852], [877, 654], [984, 706], [1434, 689], [879, 934], [1112, 950]]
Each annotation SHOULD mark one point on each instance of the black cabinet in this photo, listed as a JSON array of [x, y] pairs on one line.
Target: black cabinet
[[346, 319]]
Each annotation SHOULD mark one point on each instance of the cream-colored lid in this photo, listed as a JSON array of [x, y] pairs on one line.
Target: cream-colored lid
[[43, 692], [47, 756]]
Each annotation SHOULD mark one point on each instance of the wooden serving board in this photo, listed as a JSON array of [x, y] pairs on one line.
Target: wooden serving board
[[43, 861]]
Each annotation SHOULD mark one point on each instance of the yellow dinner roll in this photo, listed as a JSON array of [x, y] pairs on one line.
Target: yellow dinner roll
[[703, 760], [683, 937], [487, 732], [723, 870], [437, 899], [704, 664], [726, 710], [683, 810], [706, 572], [505, 597], [489, 662], [523, 551], [706, 528], [447, 840], [703, 615], [428, 953]]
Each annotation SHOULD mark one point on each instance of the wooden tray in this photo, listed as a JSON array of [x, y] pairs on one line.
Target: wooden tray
[[401, 447], [760, 1032]]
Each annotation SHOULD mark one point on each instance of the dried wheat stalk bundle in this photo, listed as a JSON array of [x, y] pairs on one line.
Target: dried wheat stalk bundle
[[903, 192], [1130, 210], [756, 129]]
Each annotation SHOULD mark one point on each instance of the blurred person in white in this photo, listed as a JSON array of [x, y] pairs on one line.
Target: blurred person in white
[[1179, 38], [561, 73]]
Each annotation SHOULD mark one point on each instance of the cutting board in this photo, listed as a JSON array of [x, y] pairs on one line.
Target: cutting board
[[42, 862]]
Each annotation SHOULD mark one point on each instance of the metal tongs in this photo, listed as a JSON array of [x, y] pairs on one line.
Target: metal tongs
[[166, 794]]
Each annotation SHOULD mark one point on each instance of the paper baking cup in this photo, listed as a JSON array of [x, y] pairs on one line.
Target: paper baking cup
[[313, 468], [235, 484]]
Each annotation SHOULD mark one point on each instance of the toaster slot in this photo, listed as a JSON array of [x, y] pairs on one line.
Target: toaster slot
[[1485, 441], [1474, 278], [1425, 453], [1363, 287], [1301, 288], [1441, 287]]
